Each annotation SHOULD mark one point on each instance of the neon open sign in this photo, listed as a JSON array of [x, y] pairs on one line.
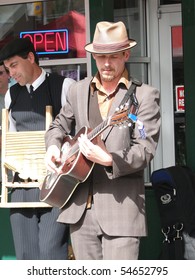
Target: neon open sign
[[48, 41]]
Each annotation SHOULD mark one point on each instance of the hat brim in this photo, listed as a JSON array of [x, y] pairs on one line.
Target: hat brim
[[89, 48]]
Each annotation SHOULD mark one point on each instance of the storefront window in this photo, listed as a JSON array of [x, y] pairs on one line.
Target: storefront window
[[74, 71], [56, 27], [133, 14]]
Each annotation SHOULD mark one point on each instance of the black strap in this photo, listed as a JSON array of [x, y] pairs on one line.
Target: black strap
[[131, 93], [133, 103], [130, 97]]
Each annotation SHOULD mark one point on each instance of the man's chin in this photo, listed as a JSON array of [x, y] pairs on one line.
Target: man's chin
[[107, 78]]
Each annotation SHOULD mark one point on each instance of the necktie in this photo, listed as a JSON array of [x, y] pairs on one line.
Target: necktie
[[31, 91]]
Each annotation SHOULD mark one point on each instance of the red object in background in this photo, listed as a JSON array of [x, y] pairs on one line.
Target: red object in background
[[180, 98], [75, 23], [177, 42]]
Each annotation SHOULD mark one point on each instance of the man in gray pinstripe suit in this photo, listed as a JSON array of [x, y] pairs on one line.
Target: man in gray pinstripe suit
[[106, 211]]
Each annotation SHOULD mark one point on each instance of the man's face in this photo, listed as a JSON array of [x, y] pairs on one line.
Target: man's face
[[111, 66], [20, 69], [4, 79]]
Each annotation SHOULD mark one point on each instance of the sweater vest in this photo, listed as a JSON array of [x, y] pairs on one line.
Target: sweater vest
[[28, 110]]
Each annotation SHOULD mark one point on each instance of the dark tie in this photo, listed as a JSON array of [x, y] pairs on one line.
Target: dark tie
[[31, 91]]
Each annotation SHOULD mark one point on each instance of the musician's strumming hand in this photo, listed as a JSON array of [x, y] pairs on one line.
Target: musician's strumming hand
[[95, 152], [52, 158]]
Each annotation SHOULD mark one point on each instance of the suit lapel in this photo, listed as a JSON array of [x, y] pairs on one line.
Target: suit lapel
[[84, 89]]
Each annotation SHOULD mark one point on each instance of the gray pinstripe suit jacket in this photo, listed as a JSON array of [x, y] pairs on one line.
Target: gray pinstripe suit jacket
[[119, 197]]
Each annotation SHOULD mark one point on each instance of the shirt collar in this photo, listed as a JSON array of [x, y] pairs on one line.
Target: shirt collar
[[38, 81], [96, 84]]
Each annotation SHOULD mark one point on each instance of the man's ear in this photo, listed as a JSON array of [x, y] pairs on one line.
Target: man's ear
[[31, 57], [127, 54]]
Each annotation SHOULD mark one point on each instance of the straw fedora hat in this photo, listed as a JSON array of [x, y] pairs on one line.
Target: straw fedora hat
[[110, 37]]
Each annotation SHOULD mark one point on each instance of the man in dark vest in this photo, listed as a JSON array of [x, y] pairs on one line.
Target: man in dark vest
[[36, 233]]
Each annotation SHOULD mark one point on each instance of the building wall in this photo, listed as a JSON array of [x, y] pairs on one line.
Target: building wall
[[188, 18], [6, 241]]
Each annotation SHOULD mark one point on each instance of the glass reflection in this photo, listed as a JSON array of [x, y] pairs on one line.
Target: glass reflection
[[46, 16]]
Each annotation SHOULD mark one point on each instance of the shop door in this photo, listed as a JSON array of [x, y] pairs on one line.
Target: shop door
[[172, 89]]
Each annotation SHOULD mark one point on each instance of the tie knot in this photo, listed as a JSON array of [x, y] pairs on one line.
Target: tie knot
[[31, 89]]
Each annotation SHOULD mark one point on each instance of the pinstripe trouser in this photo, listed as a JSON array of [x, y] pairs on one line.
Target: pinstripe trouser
[[37, 235]]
